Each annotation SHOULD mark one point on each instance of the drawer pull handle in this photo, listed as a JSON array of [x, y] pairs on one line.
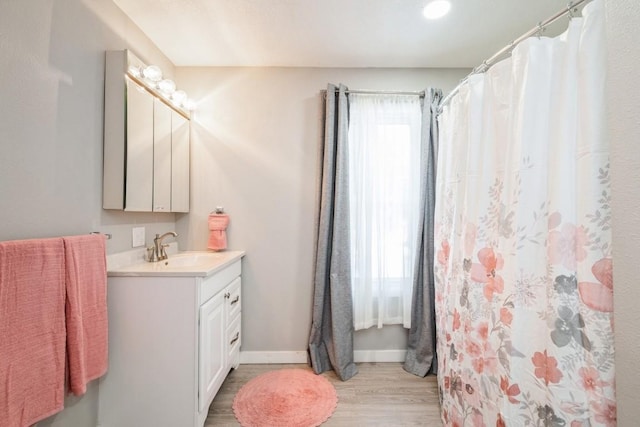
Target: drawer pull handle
[[235, 300], [235, 338], [227, 295]]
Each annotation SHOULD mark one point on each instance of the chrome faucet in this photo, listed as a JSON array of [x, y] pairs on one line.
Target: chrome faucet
[[157, 251]]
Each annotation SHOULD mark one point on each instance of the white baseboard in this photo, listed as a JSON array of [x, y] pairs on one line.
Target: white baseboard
[[272, 357], [381, 356], [279, 357]]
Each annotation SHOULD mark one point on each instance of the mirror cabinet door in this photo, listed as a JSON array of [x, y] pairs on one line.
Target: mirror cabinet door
[[180, 163], [139, 160], [161, 156]]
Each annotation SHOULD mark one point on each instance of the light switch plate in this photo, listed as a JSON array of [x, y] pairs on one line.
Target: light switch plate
[[137, 237]]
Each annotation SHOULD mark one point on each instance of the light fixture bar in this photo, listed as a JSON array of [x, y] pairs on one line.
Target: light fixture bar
[[150, 78]]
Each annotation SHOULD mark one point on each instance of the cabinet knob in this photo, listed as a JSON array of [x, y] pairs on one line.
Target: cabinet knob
[[227, 295], [235, 300]]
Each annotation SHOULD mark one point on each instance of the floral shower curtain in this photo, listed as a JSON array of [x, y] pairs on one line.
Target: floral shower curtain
[[523, 267]]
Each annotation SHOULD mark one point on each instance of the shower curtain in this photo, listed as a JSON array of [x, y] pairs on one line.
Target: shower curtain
[[523, 263]]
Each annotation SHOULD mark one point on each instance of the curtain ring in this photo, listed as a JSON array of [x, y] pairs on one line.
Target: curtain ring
[[570, 10], [540, 29], [481, 68]]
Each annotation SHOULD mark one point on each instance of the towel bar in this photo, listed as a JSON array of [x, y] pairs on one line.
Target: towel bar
[[106, 235]]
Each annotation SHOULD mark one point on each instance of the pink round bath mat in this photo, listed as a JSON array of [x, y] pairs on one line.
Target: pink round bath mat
[[285, 398]]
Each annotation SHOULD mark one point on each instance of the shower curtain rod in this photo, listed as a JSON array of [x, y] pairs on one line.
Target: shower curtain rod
[[571, 7], [379, 92]]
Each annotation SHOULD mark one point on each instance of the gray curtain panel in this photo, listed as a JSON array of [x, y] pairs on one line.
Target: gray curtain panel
[[421, 346], [331, 338]]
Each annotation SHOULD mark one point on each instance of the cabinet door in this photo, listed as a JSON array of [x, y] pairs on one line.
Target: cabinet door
[[212, 364], [161, 156], [179, 163], [139, 170]]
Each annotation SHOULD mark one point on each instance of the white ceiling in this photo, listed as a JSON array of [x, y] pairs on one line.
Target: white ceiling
[[334, 33]]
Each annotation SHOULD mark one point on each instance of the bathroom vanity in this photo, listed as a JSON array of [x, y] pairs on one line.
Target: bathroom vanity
[[174, 335]]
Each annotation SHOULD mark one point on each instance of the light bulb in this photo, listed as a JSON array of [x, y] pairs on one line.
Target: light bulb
[[178, 97], [135, 71], [436, 9], [167, 86], [152, 73]]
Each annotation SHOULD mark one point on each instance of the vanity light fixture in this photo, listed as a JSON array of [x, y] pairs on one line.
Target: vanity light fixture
[[436, 9], [179, 97], [151, 77], [152, 73], [167, 86], [134, 71]]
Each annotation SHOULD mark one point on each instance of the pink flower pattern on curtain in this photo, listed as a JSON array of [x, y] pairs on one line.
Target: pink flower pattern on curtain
[[524, 287]]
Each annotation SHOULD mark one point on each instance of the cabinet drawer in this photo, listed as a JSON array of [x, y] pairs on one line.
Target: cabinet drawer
[[234, 302], [234, 336], [218, 281]]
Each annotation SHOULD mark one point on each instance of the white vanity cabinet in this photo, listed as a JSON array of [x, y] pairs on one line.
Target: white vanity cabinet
[[219, 340], [172, 341]]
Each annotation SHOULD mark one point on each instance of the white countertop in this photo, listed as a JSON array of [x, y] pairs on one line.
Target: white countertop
[[185, 264]]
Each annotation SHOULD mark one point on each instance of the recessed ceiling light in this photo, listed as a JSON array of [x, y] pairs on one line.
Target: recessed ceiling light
[[436, 9]]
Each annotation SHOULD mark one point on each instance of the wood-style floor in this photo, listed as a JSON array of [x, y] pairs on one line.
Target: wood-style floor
[[382, 394]]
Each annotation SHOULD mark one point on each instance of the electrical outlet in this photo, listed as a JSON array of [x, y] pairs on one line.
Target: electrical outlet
[[137, 237]]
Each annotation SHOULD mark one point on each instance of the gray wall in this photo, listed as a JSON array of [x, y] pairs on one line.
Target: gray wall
[[623, 36], [51, 110], [255, 151], [51, 114]]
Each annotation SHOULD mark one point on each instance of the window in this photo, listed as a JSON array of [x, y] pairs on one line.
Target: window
[[384, 192]]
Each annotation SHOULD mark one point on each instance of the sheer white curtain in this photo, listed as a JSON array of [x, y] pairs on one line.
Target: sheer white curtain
[[384, 192]]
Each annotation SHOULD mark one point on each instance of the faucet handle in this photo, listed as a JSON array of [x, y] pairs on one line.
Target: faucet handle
[[151, 254], [163, 253]]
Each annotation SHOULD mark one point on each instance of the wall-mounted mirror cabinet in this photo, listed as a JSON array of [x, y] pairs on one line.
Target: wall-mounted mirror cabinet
[[146, 143]]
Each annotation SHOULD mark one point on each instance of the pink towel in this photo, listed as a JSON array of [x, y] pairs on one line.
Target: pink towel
[[217, 234], [86, 309], [32, 330]]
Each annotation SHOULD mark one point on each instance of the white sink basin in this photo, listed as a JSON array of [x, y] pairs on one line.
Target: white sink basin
[[196, 263], [190, 259]]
